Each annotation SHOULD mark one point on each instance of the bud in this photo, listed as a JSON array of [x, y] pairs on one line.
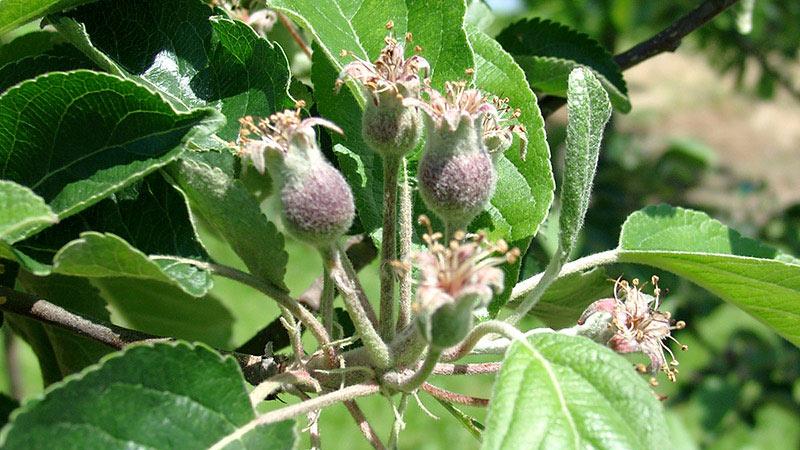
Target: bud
[[317, 204], [455, 280], [456, 174], [389, 126], [630, 322]]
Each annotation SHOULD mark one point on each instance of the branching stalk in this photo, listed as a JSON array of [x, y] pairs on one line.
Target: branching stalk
[[479, 332], [417, 378], [377, 350]]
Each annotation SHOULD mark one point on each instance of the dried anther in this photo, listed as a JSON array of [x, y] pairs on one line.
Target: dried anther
[[500, 128], [636, 325]]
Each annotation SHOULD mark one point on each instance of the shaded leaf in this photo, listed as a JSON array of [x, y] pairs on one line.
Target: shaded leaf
[[549, 51], [14, 13], [46, 146], [739, 270], [566, 299], [571, 393], [234, 213], [191, 56], [175, 395]]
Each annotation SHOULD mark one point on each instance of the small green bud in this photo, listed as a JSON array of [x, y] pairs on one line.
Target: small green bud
[[390, 126], [317, 204]]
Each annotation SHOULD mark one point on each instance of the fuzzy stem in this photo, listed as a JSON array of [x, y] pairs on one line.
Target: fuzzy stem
[[391, 166], [326, 300], [406, 230], [362, 297], [363, 425], [454, 397], [533, 288], [377, 350], [479, 332], [417, 378], [466, 369], [314, 404]]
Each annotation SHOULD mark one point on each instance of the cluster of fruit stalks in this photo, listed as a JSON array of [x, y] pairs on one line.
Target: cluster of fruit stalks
[[459, 273]]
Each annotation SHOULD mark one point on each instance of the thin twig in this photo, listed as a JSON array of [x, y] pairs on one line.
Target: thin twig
[[412, 382], [454, 397], [294, 33], [479, 332], [667, 40], [466, 369], [363, 425], [291, 411]]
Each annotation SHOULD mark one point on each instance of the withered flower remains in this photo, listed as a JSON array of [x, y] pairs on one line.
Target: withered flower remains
[[636, 325]]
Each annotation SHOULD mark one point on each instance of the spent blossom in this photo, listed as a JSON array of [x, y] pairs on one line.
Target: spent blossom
[[636, 325], [278, 133], [391, 73]]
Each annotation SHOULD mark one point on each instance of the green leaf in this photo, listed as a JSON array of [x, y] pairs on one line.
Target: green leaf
[[588, 111], [438, 27], [175, 395], [326, 21], [739, 270], [566, 299], [14, 13], [571, 393], [549, 51], [195, 58], [369, 18], [234, 213], [524, 187], [33, 66], [117, 234], [44, 139], [22, 212], [104, 255]]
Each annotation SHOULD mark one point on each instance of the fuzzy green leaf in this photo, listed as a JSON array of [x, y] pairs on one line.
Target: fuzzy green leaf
[[742, 271], [14, 13], [369, 18], [571, 393], [234, 213], [171, 395], [191, 56], [588, 111], [22, 212], [549, 51], [44, 139]]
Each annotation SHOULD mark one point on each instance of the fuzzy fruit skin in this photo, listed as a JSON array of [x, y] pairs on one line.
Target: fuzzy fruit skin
[[456, 174], [317, 203], [390, 128], [318, 208]]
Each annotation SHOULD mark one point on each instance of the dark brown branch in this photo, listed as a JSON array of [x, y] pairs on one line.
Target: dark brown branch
[[454, 397], [668, 40], [363, 425]]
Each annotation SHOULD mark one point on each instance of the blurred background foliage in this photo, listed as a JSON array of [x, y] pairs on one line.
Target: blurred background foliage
[[715, 126]]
